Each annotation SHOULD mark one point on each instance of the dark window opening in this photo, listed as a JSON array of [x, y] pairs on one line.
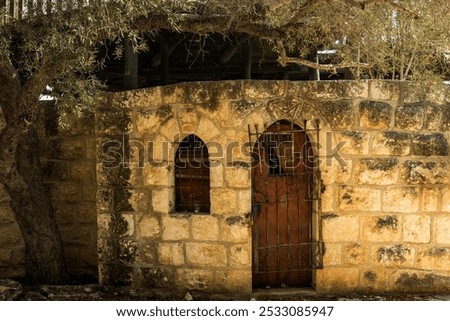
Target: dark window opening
[[192, 176]]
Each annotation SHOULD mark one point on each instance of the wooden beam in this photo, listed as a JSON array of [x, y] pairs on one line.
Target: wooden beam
[[130, 74], [247, 60], [164, 66]]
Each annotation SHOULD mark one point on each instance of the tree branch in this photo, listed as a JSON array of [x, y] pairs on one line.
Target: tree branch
[[327, 67]]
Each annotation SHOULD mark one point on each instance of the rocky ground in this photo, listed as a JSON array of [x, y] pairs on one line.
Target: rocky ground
[[14, 291]]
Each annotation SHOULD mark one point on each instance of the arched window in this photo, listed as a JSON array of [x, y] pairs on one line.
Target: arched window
[[192, 176]]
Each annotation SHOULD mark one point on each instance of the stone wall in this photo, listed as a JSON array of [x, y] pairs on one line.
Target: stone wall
[[385, 168]]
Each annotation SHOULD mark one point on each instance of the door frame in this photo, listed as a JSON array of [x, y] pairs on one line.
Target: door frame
[[315, 243]]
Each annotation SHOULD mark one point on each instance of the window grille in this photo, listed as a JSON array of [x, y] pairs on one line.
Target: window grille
[[192, 176]]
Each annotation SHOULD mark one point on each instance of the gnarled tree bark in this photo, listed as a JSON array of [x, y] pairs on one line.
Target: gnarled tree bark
[[22, 175]]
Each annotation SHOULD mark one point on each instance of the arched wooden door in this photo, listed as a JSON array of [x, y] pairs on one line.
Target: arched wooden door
[[282, 229]]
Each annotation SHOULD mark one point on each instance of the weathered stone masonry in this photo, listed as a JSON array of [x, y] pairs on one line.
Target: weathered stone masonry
[[385, 203], [385, 207]]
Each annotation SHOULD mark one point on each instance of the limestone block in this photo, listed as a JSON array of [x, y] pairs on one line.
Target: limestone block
[[391, 143], [117, 225], [138, 200], [401, 199], [336, 170], [419, 172], [352, 198], [171, 253], [356, 254], [147, 226], [188, 120], [193, 279], [339, 114], [384, 90], [205, 228], [240, 255], [103, 225], [393, 255], [216, 174], [226, 90], [170, 130], [160, 150], [417, 228], [410, 117], [329, 89], [245, 201], [430, 199], [198, 92], [244, 107], [446, 200], [146, 253], [83, 172], [414, 281], [234, 281], [433, 115], [442, 229], [173, 94], [433, 258], [206, 254], [337, 280], [148, 120], [113, 122], [237, 176], [163, 200], [223, 201], [71, 235], [376, 171], [234, 229], [70, 149], [161, 175], [433, 144], [380, 228], [375, 114], [258, 119], [104, 200], [207, 130], [66, 192], [328, 199], [175, 228], [332, 254], [355, 142], [340, 228], [264, 89], [374, 280]]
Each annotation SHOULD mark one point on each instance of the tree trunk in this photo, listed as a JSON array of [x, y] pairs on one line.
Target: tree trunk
[[22, 175], [31, 202]]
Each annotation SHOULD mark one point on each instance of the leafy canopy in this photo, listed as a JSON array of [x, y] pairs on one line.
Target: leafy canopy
[[396, 39]]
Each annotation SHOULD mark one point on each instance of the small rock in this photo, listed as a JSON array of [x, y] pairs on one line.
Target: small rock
[[34, 296], [252, 299], [188, 297], [268, 287], [283, 285], [87, 289], [10, 290]]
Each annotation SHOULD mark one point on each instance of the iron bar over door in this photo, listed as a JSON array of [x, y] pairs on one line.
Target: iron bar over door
[[286, 192]]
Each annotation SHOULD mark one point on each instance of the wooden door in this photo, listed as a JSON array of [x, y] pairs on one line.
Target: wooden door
[[282, 230]]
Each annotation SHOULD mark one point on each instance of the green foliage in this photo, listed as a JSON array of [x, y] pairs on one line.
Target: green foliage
[[397, 39]]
